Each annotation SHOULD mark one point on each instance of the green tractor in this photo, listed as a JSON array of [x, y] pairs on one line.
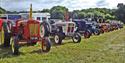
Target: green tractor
[[5, 33]]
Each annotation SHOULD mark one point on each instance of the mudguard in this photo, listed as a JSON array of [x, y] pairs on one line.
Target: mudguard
[[1, 22]]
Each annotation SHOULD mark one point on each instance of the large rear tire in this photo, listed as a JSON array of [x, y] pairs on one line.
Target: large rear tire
[[14, 45], [46, 45], [44, 31], [7, 37]]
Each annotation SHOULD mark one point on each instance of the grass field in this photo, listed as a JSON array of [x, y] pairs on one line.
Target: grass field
[[105, 48]]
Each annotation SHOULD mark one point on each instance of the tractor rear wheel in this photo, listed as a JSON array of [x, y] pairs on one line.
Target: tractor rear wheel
[[14, 45], [7, 37], [46, 45], [76, 38], [44, 30]]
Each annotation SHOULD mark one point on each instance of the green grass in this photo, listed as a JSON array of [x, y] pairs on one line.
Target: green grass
[[105, 48]]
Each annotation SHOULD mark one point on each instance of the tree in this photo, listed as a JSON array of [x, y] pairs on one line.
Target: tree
[[45, 10], [94, 12], [58, 12], [120, 12]]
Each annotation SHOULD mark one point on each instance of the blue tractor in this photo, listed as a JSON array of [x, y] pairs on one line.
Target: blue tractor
[[82, 27], [93, 28], [87, 28]]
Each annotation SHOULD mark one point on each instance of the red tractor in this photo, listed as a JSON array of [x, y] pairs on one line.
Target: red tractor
[[104, 27], [28, 32]]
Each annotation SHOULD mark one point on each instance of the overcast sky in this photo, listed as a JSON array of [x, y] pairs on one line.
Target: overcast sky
[[20, 5]]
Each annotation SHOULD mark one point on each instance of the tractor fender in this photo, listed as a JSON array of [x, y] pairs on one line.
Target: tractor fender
[[1, 23]]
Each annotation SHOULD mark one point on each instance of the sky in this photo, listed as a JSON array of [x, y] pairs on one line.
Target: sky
[[23, 5]]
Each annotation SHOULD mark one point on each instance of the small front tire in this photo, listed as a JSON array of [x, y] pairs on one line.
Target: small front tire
[[96, 32], [87, 34], [76, 38], [58, 38], [46, 45]]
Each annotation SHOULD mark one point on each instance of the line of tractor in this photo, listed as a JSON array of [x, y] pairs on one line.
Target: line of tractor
[[17, 33]]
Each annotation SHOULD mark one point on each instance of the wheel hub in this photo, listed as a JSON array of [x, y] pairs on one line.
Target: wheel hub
[[12, 45], [56, 39], [44, 46], [76, 38]]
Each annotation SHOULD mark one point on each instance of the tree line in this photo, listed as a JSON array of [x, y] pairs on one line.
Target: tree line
[[2, 10]]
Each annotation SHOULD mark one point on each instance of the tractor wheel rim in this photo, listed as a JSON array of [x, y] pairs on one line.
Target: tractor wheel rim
[[12, 45], [44, 46], [75, 38], [56, 39], [96, 32], [42, 31]]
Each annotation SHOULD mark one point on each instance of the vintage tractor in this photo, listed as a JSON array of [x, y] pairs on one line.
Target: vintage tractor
[[116, 25], [28, 32], [5, 33], [6, 24], [120, 25], [104, 27], [93, 27], [60, 29], [82, 28]]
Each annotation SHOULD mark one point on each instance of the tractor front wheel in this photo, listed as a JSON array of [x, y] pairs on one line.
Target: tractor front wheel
[[58, 38], [46, 45], [87, 34], [76, 38], [14, 45], [101, 31], [96, 32]]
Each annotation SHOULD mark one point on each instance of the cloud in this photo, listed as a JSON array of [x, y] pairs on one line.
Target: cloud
[[17, 5], [102, 3], [113, 3]]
